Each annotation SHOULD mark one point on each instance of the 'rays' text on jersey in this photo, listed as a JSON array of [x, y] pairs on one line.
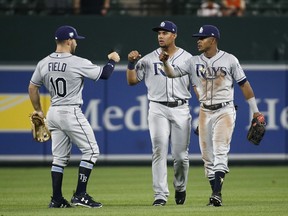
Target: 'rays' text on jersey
[[210, 72], [57, 66], [158, 67]]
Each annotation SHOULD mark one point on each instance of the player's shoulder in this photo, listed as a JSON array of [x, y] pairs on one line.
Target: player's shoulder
[[150, 56], [184, 53], [227, 54]]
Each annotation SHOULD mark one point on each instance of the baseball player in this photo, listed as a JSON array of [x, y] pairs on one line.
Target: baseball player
[[213, 75], [169, 116], [63, 73]]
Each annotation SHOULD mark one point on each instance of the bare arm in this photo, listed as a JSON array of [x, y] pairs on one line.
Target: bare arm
[[196, 92], [250, 97], [35, 98], [131, 74], [247, 90]]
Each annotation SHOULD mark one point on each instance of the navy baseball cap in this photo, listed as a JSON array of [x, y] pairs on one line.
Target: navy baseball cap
[[208, 31], [166, 26], [67, 32]]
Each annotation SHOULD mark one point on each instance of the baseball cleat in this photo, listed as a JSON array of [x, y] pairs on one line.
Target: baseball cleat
[[62, 203], [85, 200], [216, 199], [159, 202], [209, 203], [180, 197]]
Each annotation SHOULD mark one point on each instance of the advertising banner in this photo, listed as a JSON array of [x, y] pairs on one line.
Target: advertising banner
[[118, 115]]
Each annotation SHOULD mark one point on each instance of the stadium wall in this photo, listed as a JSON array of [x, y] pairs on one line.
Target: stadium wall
[[30, 38], [118, 115]]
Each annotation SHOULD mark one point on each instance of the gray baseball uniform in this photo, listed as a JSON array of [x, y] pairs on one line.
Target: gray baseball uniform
[[63, 75], [169, 117], [214, 79]]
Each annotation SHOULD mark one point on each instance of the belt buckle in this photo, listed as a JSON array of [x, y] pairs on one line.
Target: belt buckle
[[181, 102]]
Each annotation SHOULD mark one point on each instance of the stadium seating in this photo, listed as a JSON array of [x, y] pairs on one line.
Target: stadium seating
[[141, 7]]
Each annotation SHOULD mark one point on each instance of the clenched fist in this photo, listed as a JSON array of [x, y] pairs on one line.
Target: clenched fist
[[134, 56], [114, 56], [163, 56]]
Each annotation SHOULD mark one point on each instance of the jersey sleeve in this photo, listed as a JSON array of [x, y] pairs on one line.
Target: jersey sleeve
[[185, 68], [236, 70], [140, 69], [36, 78], [87, 69]]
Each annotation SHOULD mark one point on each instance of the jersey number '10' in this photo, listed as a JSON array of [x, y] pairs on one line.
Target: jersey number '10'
[[59, 86]]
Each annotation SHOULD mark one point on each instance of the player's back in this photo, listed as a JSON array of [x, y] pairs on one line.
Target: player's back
[[63, 75]]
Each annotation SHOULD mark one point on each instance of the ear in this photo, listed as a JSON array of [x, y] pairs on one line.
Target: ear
[[69, 42]]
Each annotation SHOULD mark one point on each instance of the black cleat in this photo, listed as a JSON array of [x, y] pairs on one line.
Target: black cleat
[[209, 203], [180, 197], [62, 203], [85, 200], [159, 202], [216, 199]]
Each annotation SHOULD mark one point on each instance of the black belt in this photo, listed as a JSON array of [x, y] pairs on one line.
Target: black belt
[[78, 105], [172, 103], [215, 106]]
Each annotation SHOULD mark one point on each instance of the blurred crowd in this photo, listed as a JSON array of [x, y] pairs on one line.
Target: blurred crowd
[[202, 8]]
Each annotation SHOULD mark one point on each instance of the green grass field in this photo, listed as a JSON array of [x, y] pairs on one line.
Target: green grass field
[[125, 191]]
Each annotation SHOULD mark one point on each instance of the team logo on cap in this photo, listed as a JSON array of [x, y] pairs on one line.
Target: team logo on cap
[[71, 34], [162, 24], [201, 30]]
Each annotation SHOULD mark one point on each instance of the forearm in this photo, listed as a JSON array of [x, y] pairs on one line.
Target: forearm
[[131, 76], [250, 97], [169, 70], [108, 69], [35, 97]]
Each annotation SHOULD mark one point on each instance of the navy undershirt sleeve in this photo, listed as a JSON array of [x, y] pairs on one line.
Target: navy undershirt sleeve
[[108, 69], [242, 82]]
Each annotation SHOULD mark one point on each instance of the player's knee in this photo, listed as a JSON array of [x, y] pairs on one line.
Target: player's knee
[[90, 157], [181, 157], [61, 161]]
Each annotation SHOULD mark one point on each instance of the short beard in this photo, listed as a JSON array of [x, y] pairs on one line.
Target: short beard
[[164, 47]]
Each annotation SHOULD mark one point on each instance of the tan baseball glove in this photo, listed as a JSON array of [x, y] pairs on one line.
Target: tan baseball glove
[[39, 128]]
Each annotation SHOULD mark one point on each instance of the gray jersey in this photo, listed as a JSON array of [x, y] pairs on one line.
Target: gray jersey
[[213, 77], [159, 86], [63, 75]]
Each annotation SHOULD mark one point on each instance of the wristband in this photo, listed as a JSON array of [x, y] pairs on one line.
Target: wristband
[[253, 105], [131, 65]]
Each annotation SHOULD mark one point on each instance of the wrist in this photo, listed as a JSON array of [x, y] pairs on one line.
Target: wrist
[[253, 105], [131, 65]]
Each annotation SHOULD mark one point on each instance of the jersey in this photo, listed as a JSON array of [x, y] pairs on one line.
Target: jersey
[[63, 75], [159, 86], [213, 77]]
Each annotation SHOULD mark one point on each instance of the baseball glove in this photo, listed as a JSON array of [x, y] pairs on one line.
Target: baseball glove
[[39, 128], [257, 130]]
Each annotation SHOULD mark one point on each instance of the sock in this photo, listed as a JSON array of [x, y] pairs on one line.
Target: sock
[[57, 177], [85, 169], [212, 182], [219, 179]]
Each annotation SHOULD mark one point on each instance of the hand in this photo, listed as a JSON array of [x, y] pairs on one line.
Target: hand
[[114, 56], [164, 56], [134, 56], [40, 113], [260, 117]]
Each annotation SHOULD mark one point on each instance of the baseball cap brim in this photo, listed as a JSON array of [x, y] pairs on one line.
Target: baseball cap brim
[[79, 37], [201, 35], [156, 29]]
